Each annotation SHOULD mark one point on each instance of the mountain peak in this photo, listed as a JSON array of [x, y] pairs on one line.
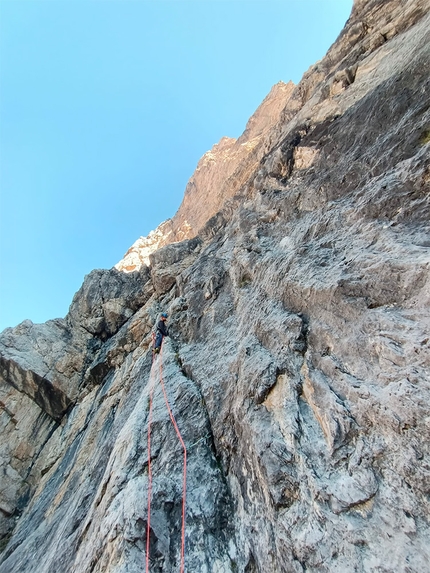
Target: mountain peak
[[220, 173], [283, 424]]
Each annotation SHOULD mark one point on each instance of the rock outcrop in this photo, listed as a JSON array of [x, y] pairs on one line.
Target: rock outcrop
[[298, 364], [220, 174]]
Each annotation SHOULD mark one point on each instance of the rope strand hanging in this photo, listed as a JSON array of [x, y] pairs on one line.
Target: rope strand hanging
[[184, 485], [148, 527]]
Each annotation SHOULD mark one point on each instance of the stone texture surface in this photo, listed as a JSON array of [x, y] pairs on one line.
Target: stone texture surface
[[219, 175], [298, 366]]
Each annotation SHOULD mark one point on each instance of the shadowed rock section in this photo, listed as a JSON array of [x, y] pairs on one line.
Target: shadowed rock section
[[49, 397], [298, 366]]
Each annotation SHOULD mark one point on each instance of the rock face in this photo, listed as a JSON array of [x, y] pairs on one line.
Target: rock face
[[220, 174], [298, 364]]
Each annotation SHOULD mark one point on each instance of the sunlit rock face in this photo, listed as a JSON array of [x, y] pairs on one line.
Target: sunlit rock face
[[298, 364], [219, 175]]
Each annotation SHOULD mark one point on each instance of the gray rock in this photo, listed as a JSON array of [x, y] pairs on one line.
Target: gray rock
[[107, 299], [298, 364]]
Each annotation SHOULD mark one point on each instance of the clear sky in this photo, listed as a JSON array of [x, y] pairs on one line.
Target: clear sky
[[106, 107]]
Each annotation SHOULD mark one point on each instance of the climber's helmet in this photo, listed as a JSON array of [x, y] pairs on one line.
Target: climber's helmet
[[164, 315]]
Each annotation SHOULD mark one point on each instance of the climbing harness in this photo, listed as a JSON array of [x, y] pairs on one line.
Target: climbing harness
[[184, 488]]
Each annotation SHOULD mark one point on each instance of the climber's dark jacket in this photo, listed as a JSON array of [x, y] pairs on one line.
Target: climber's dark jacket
[[162, 331], [161, 327]]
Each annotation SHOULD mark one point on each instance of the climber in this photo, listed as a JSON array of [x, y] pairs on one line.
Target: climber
[[161, 333]]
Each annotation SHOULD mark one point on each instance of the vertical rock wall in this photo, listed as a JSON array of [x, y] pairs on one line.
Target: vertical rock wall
[[297, 368]]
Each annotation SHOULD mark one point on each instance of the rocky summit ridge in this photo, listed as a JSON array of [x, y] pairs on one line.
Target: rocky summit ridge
[[298, 367], [220, 173]]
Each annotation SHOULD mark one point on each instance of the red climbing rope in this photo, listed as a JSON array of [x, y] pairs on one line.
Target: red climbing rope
[[184, 488], [148, 527]]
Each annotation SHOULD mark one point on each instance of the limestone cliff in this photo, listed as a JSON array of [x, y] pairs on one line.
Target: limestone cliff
[[299, 358], [220, 173]]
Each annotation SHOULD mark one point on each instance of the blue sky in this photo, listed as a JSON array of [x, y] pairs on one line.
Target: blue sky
[[106, 107]]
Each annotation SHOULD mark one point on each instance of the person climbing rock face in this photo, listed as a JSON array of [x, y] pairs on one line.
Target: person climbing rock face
[[162, 331]]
